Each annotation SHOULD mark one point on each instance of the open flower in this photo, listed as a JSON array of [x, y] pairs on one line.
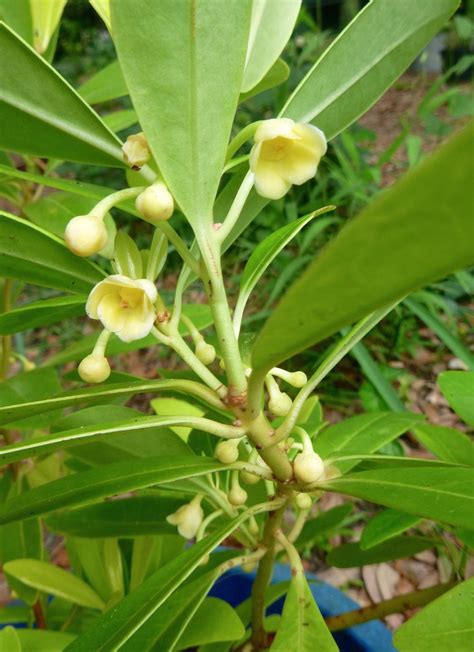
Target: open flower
[[188, 518], [125, 306], [285, 153]]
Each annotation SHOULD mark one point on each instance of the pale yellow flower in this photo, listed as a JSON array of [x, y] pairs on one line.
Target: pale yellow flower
[[125, 306], [136, 151], [188, 518], [285, 153]]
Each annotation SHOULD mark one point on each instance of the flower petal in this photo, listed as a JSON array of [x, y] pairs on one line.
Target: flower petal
[[268, 182], [312, 137], [270, 129], [111, 313]]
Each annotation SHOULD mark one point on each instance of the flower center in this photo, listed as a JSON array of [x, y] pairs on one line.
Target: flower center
[[129, 298], [276, 149]]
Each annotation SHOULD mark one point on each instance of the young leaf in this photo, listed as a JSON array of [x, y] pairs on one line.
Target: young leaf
[[458, 388], [45, 116], [351, 554], [41, 313], [445, 624], [32, 255], [447, 444], [349, 76], [270, 29], [385, 525], [187, 99], [127, 256], [51, 579], [418, 230]]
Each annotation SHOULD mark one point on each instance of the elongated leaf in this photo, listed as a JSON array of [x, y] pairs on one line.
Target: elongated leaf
[[118, 625], [90, 486], [46, 17], [349, 76], [385, 525], [458, 387], [324, 523], [40, 640], [277, 74], [120, 120], [264, 254], [270, 29], [9, 641], [107, 84], [17, 14], [302, 627], [30, 254], [442, 494], [365, 433], [51, 579], [45, 116], [445, 624], [418, 230], [447, 444], [130, 517], [351, 554], [41, 313], [186, 101], [214, 621]]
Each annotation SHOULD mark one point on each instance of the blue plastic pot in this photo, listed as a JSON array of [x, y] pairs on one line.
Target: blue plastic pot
[[235, 586]]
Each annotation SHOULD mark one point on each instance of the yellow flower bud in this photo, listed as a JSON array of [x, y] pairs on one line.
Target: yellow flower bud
[[309, 467], [155, 203], [188, 518], [285, 153], [206, 353], [85, 235], [227, 452], [249, 478], [280, 404], [136, 151], [237, 496], [303, 501], [94, 368]]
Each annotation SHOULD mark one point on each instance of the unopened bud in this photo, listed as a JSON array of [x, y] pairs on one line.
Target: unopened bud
[[249, 566], [303, 501], [188, 518], [155, 203], [136, 151], [227, 452], [309, 467], [280, 404], [85, 235], [253, 527], [298, 379], [249, 478], [206, 353], [94, 369], [237, 496]]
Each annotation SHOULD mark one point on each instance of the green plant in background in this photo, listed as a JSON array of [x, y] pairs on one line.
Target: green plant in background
[[238, 442]]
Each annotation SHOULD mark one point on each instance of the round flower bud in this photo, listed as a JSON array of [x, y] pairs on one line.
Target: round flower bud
[[94, 369], [206, 353], [85, 235], [298, 379], [253, 527], [227, 451], [155, 203], [303, 501], [188, 518], [309, 467], [237, 496], [249, 478], [135, 150], [280, 404]]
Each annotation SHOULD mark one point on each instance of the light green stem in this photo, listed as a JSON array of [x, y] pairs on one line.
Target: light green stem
[[236, 207], [180, 246], [105, 204], [244, 134]]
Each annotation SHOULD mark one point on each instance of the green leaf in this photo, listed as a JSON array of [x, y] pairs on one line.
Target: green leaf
[[38, 384], [214, 621], [127, 256], [30, 254], [9, 641], [14, 615], [88, 558], [45, 116], [264, 254], [42, 640], [51, 579], [324, 523], [277, 74], [17, 14], [89, 486], [119, 624], [187, 100], [385, 525], [364, 433], [447, 444], [443, 494], [415, 232], [41, 313], [107, 84], [273, 593], [458, 388], [302, 628], [120, 120], [126, 518], [351, 554], [349, 76], [46, 17], [445, 624], [270, 28]]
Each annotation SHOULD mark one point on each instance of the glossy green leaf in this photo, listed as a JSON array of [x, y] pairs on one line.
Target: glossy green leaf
[[302, 628], [277, 74], [323, 524], [89, 486], [364, 433], [349, 76], [126, 518], [415, 232], [445, 624], [102, 7], [30, 254], [458, 388], [447, 444], [273, 593], [42, 640], [88, 560], [17, 14], [119, 624], [14, 615], [264, 254], [214, 621], [120, 120], [51, 579], [45, 17], [385, 525], [9, 640], [443, 494], [187, 99], [45, 116], [270, 28], [41, 313], [107, 84], [351, 554], [127, 256]]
